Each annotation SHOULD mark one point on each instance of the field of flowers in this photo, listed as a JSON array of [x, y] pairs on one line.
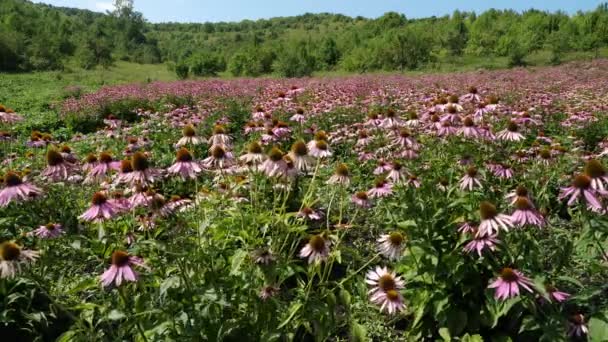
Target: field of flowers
[[457, 207]]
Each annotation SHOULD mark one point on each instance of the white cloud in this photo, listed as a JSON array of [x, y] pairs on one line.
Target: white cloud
[[104, 6]]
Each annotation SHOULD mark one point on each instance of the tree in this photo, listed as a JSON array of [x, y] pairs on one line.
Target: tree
[[457, 34]]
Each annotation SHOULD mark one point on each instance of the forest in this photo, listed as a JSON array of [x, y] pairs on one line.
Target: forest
[[37, 37]]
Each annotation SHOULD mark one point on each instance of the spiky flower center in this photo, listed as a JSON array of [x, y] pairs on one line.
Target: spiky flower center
[[468, 122], [317, 243], [508, 274], [545, 154], [99, 198], [380, 182], [307, 211], [512, 127], [321, 145], [521, 191], [487, 210], [321, 135], [435, 118], [413, 116], [595, 169], [404, 133], [126, 166], [183, 155], [452, 109], [91, 158], [9, 251], [255, 148], [54, 158], [66, 149], [219, 129], [342, 170], [105, 157], [188, 131], [363, 134], [300, 111], [12, 179], [582, 181], [523, 203], [453, 99], [396, 238], [362, 195], [139, 162], [472, 90], [275, 154], [387, 283], [550, 288], [492, 99], [392, 295], [472, 172], [578, 319], [390, 113], [120, 258], [158, 202], [397, 166], [50, 227], [299, 149]]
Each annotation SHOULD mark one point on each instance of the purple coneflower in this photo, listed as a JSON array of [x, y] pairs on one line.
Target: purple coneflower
[[526, 214], [404, 139], [385, 292], [413, 181], [382, 167], [471, 96], [90, 162], [470, 180], [316, 250], [274, 165], [361, 199], [142, 172], [254, 155], [309, 213], [481, 243], [300, 157], [397, 173], [555, 294], [121, 269], [510, 133], [364, 139], [508, 282], [491, 220], [469, 130], [382, 188], [219, 158], [341, 175], [577, 326], [184, 166], [501, 170], [263, 256], [319, 149], [57, 168], [16, 190], [12, 256], [189, 137], [101, 209], [102, 167], [391, 245], [220, 137], [581, 188], [49, 231], [596, 171]]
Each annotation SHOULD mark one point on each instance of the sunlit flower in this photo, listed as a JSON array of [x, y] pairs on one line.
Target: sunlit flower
[[49, 231], [309, 213], [555, 294], [102, 168], [263, 256], [397, 173], [189, 137], [57, 168], [361, 199], [184, 166], [391, 245], [381, 188], [12, 257], [254, 155], [15, 190], [316, 250], [341, 175], [219, 137], [491, 220], [319, 149], [268, 291], [525, 213], [510, 133], [386, 286], [101, 209], [300, 157], [508, 282], [470, 180], [581, 188], [596, 171], [142, 173], [480, 243], [121, 270]]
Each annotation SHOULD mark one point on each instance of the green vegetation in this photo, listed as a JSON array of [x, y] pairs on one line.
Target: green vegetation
[[43, 37]]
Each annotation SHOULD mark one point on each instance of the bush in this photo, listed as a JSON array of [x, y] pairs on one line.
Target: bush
[[205, 65], [295, 61], [182, 70]]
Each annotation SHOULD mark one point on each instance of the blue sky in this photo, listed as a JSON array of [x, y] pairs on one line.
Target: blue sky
[[235, 10]]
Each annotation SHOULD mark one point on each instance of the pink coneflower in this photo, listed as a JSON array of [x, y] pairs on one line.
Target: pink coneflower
[[581, 188], [142, 173], [49, 231], [470, 180], [254, 155], [545, 156], [555, 294], [391, 120], [316, 250], [361, 199], [103, 167], [364, 139], [446, 129], [382, 167], [15, 190], [443, 184], [413, 181], [405, 139], [391, 245], [100, 209], [68, 156], [141, 197], [120, 202], [577, 326], [596, 171], [219, 158], [263, 256], [8, 116], [341, 176], [57, 168], [121, 269], [508, 282], [480, 243], [309, 213], [382, 188], [510, 133], [112, 121], [469, 129], [274, 165], [90, 162], [526, 214], [491, 220], [220, 137], [451, 114], [298, 116], [467, 227], [268, 292], [413, 120], [500, 170], [397, 174], [471, 96], [319, 149], [184, 166], [300, 157], [385, 292], [12, 257], [189, 137]]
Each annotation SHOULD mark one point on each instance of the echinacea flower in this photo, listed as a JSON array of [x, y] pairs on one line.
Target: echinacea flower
[[219, 158], [49, 231], [319, 149], [57, 168], [268, 291], [555, 294], [491, 220], [341, 175], [480, 243], [596, 171], [397, 173], [142, 173], [381, 188], [525, 213], [254, 155], [309, 213], [184, 166], [508, 282], [316, 250], [121, 270], [469, 129], [391, 245], [15, 189], [385, 291], [581, 188], [361, 199], [104, 165], [101, 209], [577, 326], [470, 180], [299, 155], [12, 256], [189, 137], [274, 165], [263, 256], [510, 133], [219, 137]]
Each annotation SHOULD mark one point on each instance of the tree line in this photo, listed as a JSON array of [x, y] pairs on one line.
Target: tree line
[[42, 37]]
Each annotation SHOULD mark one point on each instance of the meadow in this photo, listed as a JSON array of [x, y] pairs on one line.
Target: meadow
[[466, 206]]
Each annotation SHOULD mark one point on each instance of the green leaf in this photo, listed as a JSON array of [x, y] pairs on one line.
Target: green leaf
[[471, 338], [407, 224], [445, 334], [237, 260], [293, 310], [67, 336], [115, 315], [598, 330], [358, 332]]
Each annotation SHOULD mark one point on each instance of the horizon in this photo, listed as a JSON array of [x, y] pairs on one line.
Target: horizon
[[239, 10]]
